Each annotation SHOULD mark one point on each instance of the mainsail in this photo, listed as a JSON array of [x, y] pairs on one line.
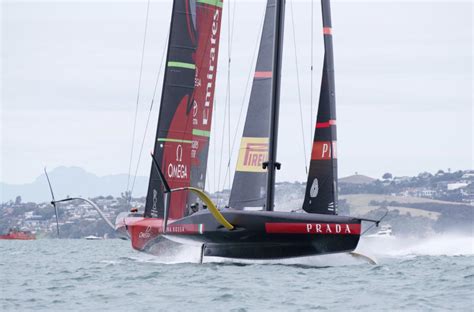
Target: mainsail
[[249, 187], [321, 188], [182, 137]]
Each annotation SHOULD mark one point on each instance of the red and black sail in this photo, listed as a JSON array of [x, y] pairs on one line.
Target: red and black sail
[[321, 188], [184, 123], [249, 188]]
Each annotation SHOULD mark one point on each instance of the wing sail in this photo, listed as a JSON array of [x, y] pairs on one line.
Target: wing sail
[[184, 123]]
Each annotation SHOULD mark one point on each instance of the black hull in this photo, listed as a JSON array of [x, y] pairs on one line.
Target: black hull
[[278, 249], [257, 234]]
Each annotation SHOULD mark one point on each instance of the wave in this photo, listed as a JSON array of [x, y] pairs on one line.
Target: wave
[[376, 249], [436, 245]]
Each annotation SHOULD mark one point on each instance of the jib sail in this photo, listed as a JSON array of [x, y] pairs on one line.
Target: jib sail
[[249, 186], [184, 123], [321, 188]]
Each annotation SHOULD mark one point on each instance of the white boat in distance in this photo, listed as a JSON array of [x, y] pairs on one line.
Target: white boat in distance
[[384, 232], [93, 237]]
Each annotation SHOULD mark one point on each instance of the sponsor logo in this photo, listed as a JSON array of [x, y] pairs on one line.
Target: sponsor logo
[[253, 152], [314, 228], [211, 69], [325, 228], [146, 234], [179, 171], [195, 112], [185, 228], [179, 152], [154, 209], [176, 229], [324, 150]]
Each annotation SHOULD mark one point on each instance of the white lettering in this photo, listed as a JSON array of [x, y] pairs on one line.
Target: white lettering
[[328, 228], [348, 229], [213, 56], [214, 24], [205, 117], [146, 234], [334, 149], [207, 103], [177, 171], [318, 228], [179, 153], [211, 69], [325, 150]]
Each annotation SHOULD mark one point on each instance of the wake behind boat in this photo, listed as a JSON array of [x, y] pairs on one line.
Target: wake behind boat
[[93, 237]]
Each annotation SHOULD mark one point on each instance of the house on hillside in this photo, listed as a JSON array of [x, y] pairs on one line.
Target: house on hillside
[[467, 193], [399, 180], [456, 185]]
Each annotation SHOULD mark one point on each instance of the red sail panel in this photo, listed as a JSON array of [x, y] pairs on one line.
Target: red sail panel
[[209, 16], [324, 150], [184, 123]]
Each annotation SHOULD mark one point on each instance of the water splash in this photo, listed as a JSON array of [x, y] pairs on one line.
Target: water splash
[[436, 245]]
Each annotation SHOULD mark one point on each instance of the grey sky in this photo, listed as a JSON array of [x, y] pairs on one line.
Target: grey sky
[[403, 83]]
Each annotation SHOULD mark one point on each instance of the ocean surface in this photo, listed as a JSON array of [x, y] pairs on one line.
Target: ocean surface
[[80, 275]]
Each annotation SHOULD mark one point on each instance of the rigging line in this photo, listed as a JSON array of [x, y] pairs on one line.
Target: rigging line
[[213, 140], [228, 132], [227, 101], [231, 36], [215, 144], [298, 89], [163, 54], [229, 53], [138, 98], [149, 113], [222, 141], [312, 71], [233, 28], [222, 144], [252, 66]]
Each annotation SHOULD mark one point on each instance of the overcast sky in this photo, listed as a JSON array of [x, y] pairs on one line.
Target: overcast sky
[[404, 84]]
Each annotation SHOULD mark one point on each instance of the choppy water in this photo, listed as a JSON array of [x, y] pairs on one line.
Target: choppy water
[[59, 275]]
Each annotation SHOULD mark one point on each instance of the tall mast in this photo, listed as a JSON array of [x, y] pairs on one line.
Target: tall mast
[[272, 164], [321, 188]]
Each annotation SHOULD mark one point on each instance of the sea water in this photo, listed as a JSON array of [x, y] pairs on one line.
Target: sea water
[[81, 275]]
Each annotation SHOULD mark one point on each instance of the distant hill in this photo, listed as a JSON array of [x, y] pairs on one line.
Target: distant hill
[[357, 179], [71, 181]]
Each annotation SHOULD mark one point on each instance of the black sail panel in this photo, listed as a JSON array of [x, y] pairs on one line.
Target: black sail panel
[[321, 188], [249, 186], [184, 122]]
